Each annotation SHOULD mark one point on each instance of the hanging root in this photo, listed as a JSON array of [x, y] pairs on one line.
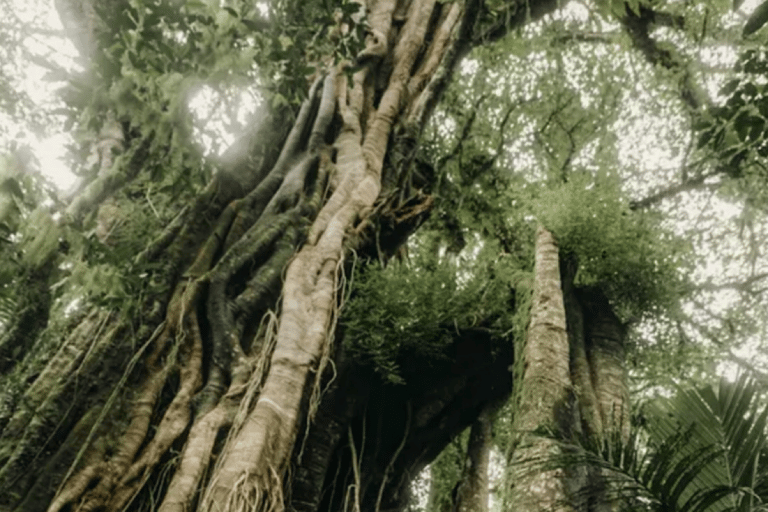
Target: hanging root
[[114, 482], [255, 203], [247, 379], [356, 463], [206, 255], [261, 368], [198, 450], [247, 382], [318, 386], [78, 485], [194, 460], [255, 494], [174, 422]]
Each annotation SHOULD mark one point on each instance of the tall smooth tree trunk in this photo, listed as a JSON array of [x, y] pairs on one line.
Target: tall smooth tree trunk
[[546, 396]]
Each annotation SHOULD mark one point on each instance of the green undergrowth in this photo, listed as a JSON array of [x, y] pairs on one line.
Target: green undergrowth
[[417, 307]]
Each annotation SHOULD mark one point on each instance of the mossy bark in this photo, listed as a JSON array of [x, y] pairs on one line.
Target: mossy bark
[[545, 408]]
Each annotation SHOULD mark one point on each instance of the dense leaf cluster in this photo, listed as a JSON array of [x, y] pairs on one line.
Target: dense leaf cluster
[[416, 308], [737, 130], [639, 266]]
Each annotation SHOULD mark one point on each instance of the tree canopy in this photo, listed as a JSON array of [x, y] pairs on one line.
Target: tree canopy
[[298, 256]]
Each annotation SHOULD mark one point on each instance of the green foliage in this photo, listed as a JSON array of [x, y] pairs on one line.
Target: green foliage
[[728, 420], [27, 232], [700, 450], [40, 239], [639, 265], [758, 18], [415, 308], [736, 132]]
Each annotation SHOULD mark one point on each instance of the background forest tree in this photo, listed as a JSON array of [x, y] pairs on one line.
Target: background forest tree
[[307, 317]]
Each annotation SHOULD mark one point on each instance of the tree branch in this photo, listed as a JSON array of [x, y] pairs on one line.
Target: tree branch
[[513, 15], [638, 28], [694, 183]]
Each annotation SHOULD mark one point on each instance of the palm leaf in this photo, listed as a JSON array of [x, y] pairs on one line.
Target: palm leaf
[[758, 18], [699, 451], [7, 309], [727, 417]]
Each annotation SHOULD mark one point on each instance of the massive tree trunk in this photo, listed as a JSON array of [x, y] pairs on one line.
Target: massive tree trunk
[[599, 377], [216, 395]]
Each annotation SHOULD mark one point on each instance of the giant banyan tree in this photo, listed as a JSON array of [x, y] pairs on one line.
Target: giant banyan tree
[[230, 391]]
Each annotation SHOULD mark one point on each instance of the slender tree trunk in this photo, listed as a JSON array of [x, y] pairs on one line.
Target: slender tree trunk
[[472, 495]]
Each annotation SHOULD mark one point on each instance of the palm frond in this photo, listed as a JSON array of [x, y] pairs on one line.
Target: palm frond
[[698, 451]]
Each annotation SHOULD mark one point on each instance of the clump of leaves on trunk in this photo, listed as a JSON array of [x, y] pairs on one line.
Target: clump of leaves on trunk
[[416, 307], [638, 264]]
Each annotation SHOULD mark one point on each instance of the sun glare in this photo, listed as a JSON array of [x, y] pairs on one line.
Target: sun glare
[[221, 115], [50, 153]]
